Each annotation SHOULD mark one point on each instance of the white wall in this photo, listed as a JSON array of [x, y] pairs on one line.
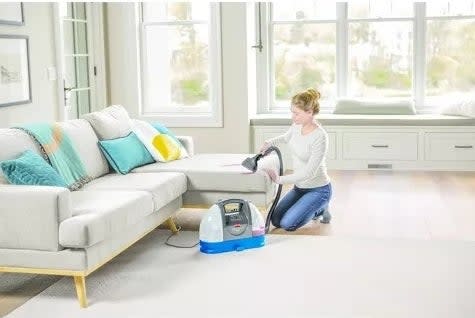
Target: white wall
[[124, 75], [39, 28]]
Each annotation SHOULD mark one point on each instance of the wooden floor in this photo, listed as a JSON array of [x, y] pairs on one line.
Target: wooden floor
[[408, 205], [373, 204]]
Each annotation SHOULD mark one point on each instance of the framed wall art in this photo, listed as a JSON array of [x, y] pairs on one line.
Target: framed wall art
[[11, 13], [15, 84]]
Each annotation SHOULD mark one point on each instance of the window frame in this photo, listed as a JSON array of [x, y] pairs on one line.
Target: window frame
[[187, 116], [266, 89]]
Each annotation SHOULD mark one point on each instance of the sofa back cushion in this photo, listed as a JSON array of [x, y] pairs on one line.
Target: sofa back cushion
[[110, 123], [13, 142], [85, 142]]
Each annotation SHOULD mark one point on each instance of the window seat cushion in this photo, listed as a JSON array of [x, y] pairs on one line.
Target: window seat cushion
[[374, 107]]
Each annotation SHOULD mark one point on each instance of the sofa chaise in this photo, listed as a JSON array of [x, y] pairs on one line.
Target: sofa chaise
[[55, 231]]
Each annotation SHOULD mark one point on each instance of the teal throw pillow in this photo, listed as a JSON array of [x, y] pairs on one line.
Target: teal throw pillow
[[125, 153], [31, 169]]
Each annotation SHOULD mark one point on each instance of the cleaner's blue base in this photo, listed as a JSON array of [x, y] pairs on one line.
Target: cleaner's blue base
[[232, 245]]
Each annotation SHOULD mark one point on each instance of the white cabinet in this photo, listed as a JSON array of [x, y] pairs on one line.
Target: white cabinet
[[450, 146], [379, 146], [331, 145], [390, 147]]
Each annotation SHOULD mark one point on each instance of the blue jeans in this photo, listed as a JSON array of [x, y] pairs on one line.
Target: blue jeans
[[300, 205]]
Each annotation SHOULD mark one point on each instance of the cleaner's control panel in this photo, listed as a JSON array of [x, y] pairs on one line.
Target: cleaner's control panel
[[236, 218]]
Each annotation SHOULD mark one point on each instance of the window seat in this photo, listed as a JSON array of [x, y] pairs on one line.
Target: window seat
[[368, 120]]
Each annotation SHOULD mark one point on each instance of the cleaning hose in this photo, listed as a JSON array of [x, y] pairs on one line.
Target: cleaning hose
[[279, 189], [251, 164]]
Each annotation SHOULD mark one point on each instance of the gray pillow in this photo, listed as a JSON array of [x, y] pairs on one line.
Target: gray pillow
[[374, 107]]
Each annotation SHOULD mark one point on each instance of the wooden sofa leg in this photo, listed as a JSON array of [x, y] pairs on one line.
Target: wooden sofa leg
[[80, 282], [172, 226]]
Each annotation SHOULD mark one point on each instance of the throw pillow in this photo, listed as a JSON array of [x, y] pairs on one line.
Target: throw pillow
[[464, 106], [125, 153], [31, 169], [162, 144], [165, 131], [374, 107], [110, 123]]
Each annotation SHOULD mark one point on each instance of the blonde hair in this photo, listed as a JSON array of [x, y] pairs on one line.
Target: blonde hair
[[307, 100]]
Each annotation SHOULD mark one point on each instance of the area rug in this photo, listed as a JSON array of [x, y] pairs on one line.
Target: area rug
[[291, 276]]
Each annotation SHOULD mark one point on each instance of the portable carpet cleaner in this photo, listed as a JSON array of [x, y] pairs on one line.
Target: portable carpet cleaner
[[236, 224]]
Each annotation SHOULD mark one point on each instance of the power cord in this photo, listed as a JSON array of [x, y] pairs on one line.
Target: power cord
[[178, 246]]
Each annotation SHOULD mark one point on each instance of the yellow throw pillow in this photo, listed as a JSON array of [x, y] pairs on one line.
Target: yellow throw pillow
[[167, 147], [162, 145]]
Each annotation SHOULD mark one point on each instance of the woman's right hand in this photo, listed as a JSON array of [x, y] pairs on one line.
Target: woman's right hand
[[264, 147]]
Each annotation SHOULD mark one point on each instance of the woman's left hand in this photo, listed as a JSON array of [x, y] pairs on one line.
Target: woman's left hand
[[272, 174]]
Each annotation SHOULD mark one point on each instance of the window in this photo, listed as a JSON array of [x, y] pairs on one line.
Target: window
[[303, 50], [380, 49], [366, 49], [450, 64], [181, 83]]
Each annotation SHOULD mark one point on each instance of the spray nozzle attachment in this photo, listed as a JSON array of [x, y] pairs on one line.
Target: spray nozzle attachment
[[251, 162]]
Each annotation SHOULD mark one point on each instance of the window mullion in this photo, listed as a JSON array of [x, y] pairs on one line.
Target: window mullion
[[341, 49], [419, 48]]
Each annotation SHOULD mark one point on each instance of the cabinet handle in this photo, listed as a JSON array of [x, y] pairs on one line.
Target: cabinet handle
[[380, 146], [464, 147]]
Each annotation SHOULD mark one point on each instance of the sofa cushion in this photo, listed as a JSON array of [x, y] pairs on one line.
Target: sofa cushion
[[85, 142], [31, 169], [110, 123], [13, 142], [218, 172], [98, 215], [164, 187]]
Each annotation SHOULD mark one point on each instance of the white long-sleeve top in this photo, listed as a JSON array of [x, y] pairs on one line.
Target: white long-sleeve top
[[308, 156]]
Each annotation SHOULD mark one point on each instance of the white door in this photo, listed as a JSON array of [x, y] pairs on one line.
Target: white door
[[75, 47]]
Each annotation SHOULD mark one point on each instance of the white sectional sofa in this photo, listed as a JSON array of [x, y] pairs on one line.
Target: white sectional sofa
[[55, 231]]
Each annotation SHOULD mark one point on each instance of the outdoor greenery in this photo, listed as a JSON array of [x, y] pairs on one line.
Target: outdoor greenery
[[190, 60], [450, 62], [304, 54]]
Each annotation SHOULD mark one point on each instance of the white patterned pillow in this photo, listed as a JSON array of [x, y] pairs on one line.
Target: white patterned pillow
[[462, 107]]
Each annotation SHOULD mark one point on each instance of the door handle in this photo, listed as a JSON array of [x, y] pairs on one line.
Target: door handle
[[67, 89], [380, 146], [464, 147]]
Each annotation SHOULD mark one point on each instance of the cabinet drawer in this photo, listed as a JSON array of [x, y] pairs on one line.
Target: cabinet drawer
[[450, 146], [380, 146]]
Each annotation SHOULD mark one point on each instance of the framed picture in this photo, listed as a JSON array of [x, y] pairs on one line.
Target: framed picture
[[11, 13], [15, 85]]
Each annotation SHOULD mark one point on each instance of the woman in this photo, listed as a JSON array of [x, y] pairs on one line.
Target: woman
[[308, 142]]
